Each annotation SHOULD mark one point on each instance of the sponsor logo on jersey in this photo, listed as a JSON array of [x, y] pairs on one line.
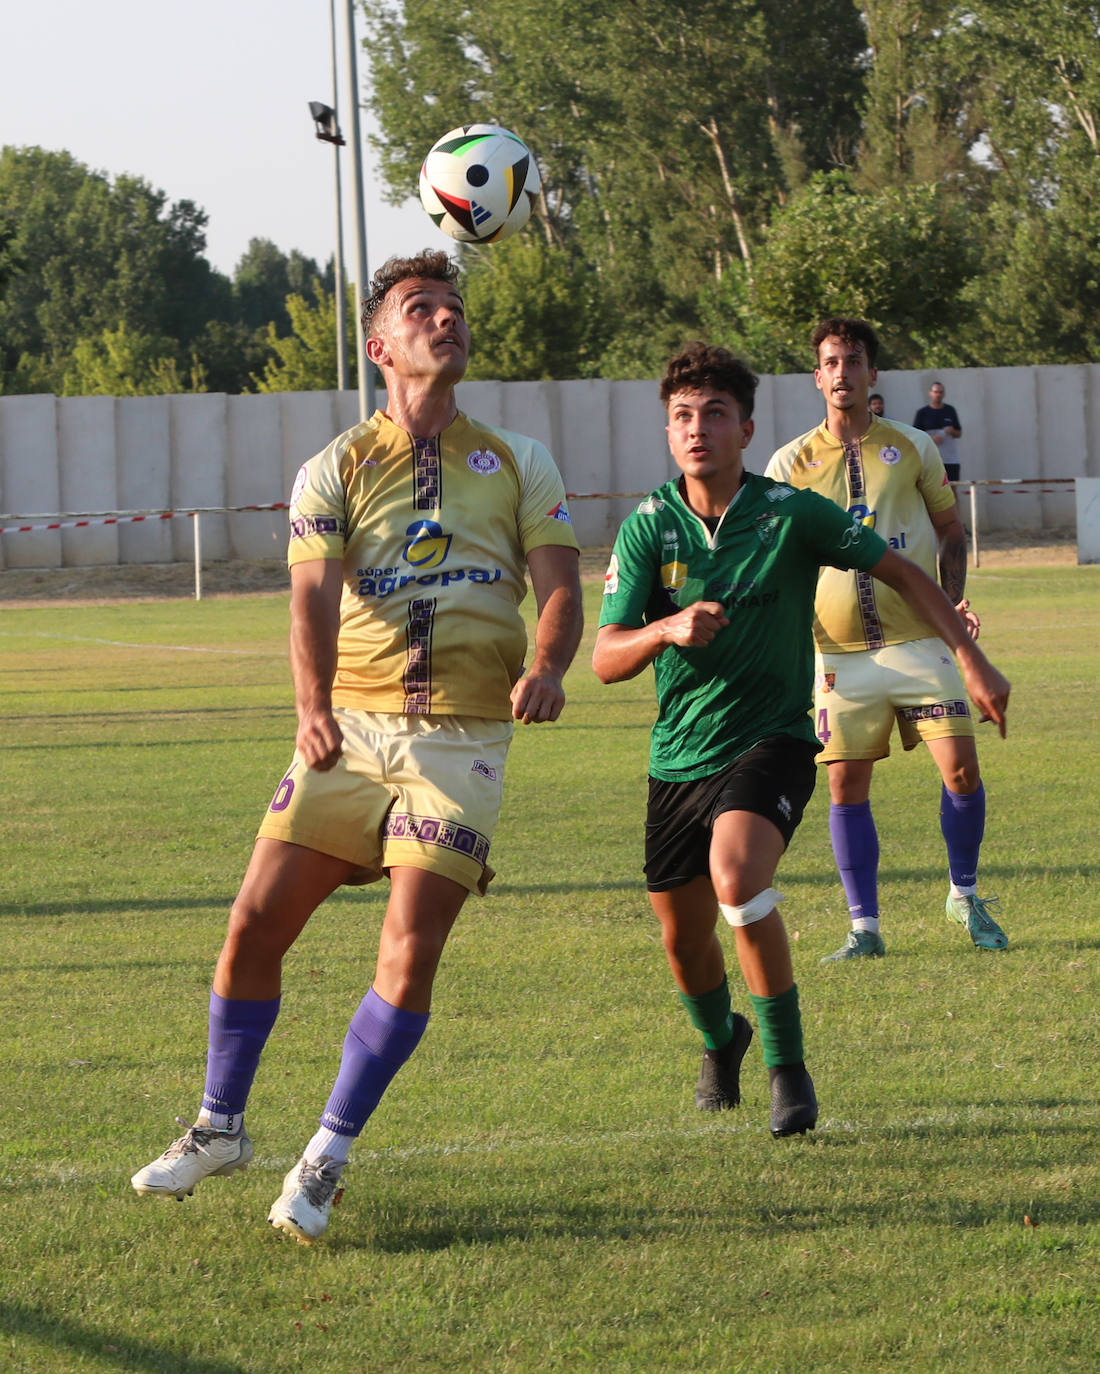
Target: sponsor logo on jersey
[[428, 546], [299, 485], [560, 512], [483, 461], [611, 577], [480, 766], [825, 682], [890, 455], [426, 550], [863, 515], [766, 527], [671, 537], [651, 505], [673, 575], [939, 710], [852, 535], [301, 526]]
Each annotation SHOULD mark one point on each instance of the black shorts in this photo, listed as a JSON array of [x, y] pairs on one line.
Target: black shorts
[[774, 779]]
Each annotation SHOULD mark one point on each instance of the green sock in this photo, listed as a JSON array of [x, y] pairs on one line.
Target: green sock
[[780, 1024], [710, 1013]]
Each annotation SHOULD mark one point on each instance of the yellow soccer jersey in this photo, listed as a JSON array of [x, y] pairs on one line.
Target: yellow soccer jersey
[[892, 479], [433, 535]]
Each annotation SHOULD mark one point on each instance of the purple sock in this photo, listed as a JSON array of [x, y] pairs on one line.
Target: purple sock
[[238, 1034], [855, 848], [962, 821], [379, 1040]]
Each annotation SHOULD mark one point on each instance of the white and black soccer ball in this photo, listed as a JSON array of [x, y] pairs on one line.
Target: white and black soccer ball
[[479, 183]]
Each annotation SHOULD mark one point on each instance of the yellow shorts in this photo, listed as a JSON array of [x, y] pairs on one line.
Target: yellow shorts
[[859, 695], [419, 791]]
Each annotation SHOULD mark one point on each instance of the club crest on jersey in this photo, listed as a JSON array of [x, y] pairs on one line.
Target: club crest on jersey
[[483, 461], [767, 527], [890, 455], [651, 505], [428, 545], [611, 577], [560, 512], [826, 682], [299, 485]]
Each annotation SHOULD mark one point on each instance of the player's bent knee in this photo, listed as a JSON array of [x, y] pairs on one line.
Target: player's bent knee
[[755, 909]]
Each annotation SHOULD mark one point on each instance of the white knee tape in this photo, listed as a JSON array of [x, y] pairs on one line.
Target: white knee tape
[[755, 909]]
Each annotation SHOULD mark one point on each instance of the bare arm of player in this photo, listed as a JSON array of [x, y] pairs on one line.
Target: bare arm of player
[[988, 688], [555, 576], [622, 651], [315, 588], [951, 557]]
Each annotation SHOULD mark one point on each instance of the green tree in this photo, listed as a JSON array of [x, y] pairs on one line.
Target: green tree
[[120, 362], [899, 258], [264, 278], [665, 133], [533, 317], [96, 255], [306, 359]]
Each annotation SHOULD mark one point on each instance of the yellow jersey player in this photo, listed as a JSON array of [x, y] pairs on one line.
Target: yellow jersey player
[[877, 660], [410, 537]]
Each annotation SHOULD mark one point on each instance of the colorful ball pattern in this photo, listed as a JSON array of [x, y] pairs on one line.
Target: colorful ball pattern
[[479, 183]]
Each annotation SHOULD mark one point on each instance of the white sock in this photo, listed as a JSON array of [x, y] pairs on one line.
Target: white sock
[[329, 1143], [867, 923], [963, 891], [221, 1121]]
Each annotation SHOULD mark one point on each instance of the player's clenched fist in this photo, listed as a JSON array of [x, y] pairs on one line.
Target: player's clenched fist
[[320, 741], [695, 625]]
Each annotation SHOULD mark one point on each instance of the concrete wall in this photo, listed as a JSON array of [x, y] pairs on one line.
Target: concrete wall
[[98, 454]]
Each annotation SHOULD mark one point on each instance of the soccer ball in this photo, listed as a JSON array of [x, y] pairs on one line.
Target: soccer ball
[[479, 183]]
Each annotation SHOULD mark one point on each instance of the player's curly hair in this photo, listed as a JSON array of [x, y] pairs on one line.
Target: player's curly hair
[[430, 263], [707, 365], [849, 331]]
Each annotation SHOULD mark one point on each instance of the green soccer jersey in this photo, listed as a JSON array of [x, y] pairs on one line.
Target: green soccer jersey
[[755, 678]]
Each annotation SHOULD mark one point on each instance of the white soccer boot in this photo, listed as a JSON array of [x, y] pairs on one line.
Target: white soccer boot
[[309, 1194], [199, 1153]]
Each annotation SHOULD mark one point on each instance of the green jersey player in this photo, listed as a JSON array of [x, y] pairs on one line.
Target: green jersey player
[[712, 580]]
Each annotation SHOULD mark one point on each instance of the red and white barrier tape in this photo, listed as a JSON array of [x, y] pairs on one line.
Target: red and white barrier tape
[[86, 522], [1024, 486]]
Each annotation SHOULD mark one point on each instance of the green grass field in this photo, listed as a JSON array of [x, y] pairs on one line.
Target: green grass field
[[536, 1192]]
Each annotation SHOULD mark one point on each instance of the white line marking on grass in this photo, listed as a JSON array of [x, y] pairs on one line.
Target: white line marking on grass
[[128, 644]]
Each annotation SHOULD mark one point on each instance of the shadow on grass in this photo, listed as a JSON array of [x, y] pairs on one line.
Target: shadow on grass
[[103, 1346], [411, 1231]]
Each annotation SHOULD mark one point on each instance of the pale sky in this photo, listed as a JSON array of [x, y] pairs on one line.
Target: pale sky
[[207, 102]]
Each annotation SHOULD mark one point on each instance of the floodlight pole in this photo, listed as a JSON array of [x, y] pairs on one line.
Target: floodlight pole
[[359, 218], [340, 290]]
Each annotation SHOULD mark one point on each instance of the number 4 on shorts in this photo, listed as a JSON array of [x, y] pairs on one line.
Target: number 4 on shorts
[[824, 734]]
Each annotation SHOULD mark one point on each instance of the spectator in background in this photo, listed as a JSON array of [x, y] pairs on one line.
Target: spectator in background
[[876, 404], [940, 422]]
